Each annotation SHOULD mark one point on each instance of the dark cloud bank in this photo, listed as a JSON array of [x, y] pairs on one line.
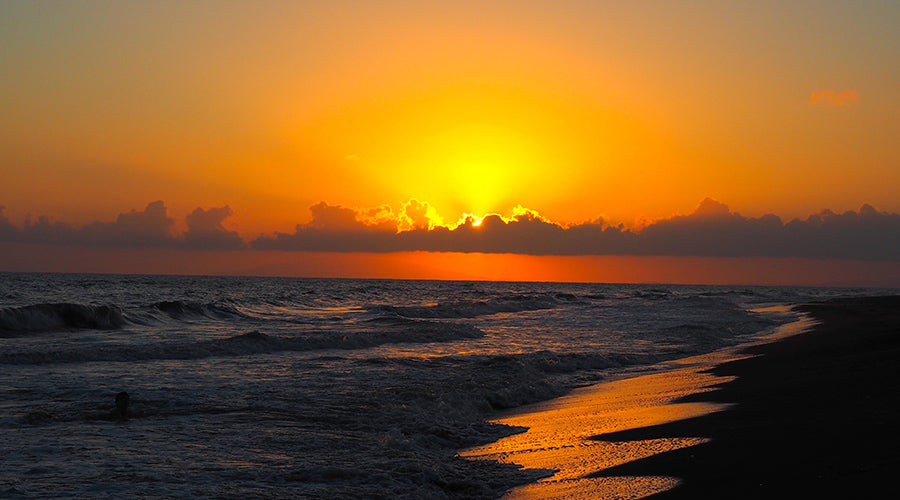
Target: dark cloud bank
[[151, 227], [712, 230]]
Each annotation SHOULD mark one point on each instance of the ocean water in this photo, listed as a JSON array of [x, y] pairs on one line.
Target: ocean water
[[317, 388]]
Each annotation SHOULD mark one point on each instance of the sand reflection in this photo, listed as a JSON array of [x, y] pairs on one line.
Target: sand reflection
[[560, 431]]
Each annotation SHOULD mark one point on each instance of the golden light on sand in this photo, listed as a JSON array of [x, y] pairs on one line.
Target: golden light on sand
[[560, 431]]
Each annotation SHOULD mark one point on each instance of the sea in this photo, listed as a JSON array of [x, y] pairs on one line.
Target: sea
[[259, 387]]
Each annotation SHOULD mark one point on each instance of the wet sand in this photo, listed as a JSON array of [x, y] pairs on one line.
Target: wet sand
[[559, 434], [815, 415], [810, 415]]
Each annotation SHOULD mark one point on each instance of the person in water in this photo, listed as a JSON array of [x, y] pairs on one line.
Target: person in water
[[122, 400]]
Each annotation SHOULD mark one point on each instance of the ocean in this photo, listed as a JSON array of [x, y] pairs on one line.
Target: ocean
[[244, 387]]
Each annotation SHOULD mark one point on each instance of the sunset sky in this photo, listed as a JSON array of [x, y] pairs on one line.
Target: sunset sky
[[710, 142]]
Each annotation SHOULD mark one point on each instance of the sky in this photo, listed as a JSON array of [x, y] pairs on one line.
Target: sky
[[701, 142]]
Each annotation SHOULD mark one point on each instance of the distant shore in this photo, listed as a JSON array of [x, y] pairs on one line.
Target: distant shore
[[814, 415]]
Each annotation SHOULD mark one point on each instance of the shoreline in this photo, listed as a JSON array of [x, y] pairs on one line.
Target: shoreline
[[793, 415], [814, 414]]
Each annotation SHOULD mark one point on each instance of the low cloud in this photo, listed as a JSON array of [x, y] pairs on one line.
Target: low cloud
[[419, 215], [8, 231], [334, 228], [832, 98], [205, 230], [711, 230], [151, 227]]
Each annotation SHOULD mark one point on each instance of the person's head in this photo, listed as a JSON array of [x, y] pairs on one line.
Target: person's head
[[122, 401]]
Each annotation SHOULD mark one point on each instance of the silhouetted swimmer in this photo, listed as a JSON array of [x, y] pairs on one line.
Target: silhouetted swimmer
[[122, 401]]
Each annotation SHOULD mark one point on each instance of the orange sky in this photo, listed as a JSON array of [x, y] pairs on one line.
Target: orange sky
[[630, 111]]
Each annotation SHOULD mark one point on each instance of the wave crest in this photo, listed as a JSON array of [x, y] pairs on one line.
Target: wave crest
[[60, 316], [180, 310]]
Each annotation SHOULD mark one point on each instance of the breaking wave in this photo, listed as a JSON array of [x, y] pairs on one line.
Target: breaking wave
[[63, 316], [179, 309], [42, 318]]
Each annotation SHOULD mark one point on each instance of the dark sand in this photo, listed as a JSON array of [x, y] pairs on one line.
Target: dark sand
[[816, 416]]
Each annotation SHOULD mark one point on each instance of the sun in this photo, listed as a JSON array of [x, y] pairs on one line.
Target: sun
[[468, 219]]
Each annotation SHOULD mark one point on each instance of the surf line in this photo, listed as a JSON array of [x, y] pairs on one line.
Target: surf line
[[560, 431]]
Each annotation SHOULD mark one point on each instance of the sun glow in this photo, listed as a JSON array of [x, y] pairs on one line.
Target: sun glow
[[481, 163], [470, 220], [469, 149]]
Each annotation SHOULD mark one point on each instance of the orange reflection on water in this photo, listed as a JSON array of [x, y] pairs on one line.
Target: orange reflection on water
[[559, 432]]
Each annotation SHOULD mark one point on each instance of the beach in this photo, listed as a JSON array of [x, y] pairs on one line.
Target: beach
[[809, 415]]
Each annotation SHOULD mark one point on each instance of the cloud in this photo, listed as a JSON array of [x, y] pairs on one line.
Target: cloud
[[333, 218], [7, 230], [834, 99], [334, 228], [419, 215], [337, 219], [866, 234], [149, 228], [205, 230], [340, 229], [711, 230]]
